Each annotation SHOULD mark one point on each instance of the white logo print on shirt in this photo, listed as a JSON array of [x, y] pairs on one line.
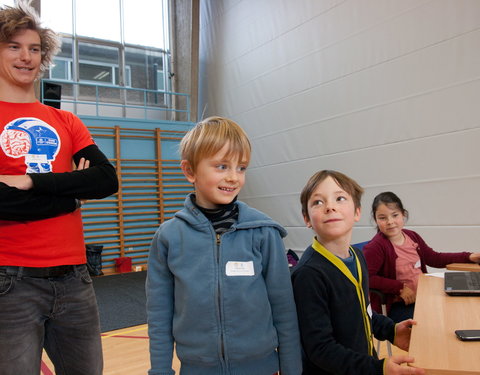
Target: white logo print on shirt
[[32, 139]]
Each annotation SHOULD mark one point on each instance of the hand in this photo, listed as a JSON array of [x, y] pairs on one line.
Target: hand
[[474, 257], [393, 367], [403, 331], [83, 164], [408, 295], [21, 182]]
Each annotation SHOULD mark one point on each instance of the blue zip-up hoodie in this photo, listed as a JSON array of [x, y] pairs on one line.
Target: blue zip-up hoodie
[[203, 296]]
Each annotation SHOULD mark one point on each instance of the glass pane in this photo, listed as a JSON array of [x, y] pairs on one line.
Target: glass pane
[[144, 67], [57, 14], [160, 81], [143, 27], [66, 49], [96, 73], [97, 62], [60, 69], [7, 2], [99, 19]]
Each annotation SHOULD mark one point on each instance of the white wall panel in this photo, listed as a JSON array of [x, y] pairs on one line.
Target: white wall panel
[[385, 91]]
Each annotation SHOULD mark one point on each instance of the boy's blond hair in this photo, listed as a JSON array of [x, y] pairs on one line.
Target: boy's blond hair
[[346, 183], [24, 17], [209, 136]]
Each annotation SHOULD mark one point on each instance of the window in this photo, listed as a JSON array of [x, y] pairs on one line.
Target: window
[[98, 19], [62, 69], [97, 63], [7, 2], [58, 15], [142, 19], [95, 53]]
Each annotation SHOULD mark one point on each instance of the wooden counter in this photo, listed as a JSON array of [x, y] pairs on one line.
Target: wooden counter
[[433, 343], [473, 267]]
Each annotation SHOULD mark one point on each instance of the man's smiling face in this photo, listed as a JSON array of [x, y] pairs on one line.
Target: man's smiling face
[[20, 59]]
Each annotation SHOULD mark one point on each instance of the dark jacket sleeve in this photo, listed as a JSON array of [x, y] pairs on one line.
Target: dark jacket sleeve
[[383, 327], [98, 181], [381, 273], [21, 205]]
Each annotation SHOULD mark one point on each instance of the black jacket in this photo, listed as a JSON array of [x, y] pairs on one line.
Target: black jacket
[[331, 320]]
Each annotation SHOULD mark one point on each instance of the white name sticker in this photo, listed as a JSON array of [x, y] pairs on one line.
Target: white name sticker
[[234, 268], [36, 158], [369, 311]]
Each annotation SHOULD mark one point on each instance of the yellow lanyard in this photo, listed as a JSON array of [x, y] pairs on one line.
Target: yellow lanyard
[[337, 262]]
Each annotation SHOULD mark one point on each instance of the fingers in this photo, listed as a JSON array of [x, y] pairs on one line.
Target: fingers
[[413, 370], [408, 299], [83, 164], [399, 359], [393, 366], [408, 322]]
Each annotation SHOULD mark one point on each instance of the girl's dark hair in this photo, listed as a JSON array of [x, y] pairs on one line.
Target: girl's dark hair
[[388, 198]]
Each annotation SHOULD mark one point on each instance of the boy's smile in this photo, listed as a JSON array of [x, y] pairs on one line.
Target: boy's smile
[[331, 212], [217, 179]]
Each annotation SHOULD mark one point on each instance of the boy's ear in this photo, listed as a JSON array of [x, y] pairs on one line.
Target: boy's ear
[[187, 171], [307, 221], [358, 214]]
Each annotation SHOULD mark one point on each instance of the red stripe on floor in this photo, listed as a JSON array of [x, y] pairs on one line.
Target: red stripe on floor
[[45, 369]]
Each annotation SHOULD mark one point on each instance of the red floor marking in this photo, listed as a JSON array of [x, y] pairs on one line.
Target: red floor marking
[[45, 369]]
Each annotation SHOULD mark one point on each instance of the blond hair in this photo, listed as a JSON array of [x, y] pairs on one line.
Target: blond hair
[[209, 136], [24, 17]]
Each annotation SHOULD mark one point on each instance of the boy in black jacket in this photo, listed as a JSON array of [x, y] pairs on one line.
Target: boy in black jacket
[[331, 288]]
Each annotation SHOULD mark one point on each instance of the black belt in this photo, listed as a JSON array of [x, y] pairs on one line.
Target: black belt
[[42, 272]]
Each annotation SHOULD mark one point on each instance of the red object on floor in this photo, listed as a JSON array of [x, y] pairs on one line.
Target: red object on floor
[[123, 264], [45, 370]]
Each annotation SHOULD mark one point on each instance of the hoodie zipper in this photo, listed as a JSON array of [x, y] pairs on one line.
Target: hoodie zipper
[[222, 343]]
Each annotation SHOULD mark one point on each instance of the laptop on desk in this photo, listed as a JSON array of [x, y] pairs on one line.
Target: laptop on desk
[[462, 283]]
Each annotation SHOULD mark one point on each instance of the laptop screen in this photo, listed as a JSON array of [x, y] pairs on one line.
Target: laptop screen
[[462, 283]]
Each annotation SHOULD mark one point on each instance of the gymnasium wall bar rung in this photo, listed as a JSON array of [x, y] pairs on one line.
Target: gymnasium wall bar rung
[[145, 185]]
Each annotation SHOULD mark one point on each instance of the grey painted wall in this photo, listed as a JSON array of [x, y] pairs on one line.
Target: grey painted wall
[[385, 91]]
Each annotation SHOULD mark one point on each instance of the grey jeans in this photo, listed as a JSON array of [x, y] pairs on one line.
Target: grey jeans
[[59, 314]]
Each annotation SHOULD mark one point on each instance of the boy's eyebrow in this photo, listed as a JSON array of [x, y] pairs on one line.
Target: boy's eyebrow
[[227, 160], [335, 192]]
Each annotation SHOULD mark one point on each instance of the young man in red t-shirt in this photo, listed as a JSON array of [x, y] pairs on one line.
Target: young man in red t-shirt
[[46, 295]]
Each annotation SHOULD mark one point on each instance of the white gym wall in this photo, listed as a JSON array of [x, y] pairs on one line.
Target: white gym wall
[[385, 91]]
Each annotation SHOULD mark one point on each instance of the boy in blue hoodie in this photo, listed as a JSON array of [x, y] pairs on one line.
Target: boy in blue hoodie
[[218, 282]]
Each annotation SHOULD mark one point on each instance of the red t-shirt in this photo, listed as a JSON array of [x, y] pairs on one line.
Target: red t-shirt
[[35, 138]]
